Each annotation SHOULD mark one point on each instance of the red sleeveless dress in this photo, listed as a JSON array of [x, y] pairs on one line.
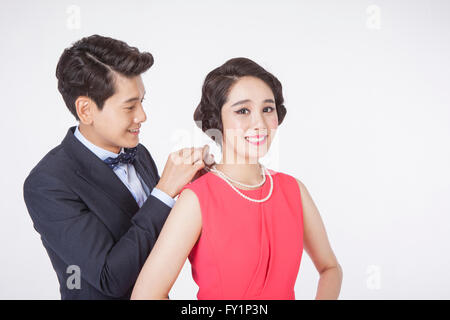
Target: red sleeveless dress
[[247, 250]]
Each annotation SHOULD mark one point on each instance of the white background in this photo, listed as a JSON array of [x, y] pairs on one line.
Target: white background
[[366, 86]]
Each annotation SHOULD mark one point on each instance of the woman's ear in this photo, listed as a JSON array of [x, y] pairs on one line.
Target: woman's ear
[[84, 107]]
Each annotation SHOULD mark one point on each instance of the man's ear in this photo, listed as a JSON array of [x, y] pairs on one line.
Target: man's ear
[[84, 107]]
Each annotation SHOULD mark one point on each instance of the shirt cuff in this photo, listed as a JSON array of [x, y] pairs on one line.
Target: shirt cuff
[[164, 197]]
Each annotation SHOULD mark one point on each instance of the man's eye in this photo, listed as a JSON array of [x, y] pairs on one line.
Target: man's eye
[[242, 111], [130, 108]]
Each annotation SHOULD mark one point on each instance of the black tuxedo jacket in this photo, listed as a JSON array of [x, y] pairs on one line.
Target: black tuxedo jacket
[[90, 222]]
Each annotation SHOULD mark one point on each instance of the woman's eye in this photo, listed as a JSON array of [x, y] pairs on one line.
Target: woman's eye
[[242, 111], [270, 109], [130, 108]]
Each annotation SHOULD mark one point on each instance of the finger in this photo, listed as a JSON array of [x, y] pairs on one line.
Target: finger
[[187, 152], [197, 170], [209, 159], [193, 156], [205, 150], [179, 153], [199, 164], [197, 155], [174, 155]]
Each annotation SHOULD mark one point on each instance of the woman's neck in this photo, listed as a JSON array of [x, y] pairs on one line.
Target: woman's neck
[[244, 173]]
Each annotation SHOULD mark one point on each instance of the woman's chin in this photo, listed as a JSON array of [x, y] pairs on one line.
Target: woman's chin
[[257, 154], [254, 158]]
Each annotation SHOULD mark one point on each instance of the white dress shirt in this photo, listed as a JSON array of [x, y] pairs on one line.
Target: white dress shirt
[[127, 174]]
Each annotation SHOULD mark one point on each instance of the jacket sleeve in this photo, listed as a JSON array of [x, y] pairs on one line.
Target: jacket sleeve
[[79, 238]]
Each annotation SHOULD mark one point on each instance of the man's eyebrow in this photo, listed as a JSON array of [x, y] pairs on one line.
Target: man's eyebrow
[[133, 99], [248, 100]]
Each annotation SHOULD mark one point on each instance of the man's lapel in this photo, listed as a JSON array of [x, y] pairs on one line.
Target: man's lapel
[[96, 172], [142, 168]]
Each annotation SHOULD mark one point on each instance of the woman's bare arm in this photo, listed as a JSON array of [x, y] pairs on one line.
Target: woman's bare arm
[[178, 236], [316, 244]]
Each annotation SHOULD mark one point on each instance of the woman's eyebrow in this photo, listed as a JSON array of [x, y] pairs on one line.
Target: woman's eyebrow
[[248, 100], [241, 102]]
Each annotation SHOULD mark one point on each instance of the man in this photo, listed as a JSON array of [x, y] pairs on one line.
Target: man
[[97, 199]]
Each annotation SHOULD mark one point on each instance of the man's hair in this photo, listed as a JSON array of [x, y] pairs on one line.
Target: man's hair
[[216, 88], [87, 68]]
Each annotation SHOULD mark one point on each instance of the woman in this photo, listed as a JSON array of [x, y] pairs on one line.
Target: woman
[[243, 227]]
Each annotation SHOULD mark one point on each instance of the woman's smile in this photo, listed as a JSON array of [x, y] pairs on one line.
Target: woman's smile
[[256, 140]]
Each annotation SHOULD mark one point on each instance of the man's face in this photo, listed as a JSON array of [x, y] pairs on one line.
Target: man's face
[[117, 124]]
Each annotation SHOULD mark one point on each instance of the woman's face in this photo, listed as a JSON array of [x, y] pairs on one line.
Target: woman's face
[[249, 120]]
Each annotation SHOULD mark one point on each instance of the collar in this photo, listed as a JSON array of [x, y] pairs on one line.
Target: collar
[[99, 152]]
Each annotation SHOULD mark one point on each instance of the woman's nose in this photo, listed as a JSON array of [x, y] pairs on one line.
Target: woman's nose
[[258, 122]]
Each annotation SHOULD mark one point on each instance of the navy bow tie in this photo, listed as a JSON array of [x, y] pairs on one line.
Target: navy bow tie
[[126, 157]]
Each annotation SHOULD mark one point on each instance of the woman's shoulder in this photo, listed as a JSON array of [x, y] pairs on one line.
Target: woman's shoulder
[[287, 178], [195, 192], [279, 174], [198, 184]]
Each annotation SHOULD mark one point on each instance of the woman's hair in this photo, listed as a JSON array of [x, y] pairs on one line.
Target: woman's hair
[[216, 88], [87, 68]]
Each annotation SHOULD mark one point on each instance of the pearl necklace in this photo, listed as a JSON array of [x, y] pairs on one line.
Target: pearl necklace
[[214, 169], [228, 179]]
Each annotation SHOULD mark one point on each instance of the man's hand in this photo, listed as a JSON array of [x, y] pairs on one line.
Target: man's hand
[[181, 167]]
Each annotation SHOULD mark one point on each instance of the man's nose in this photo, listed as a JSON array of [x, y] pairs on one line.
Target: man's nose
[[140, 116]]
